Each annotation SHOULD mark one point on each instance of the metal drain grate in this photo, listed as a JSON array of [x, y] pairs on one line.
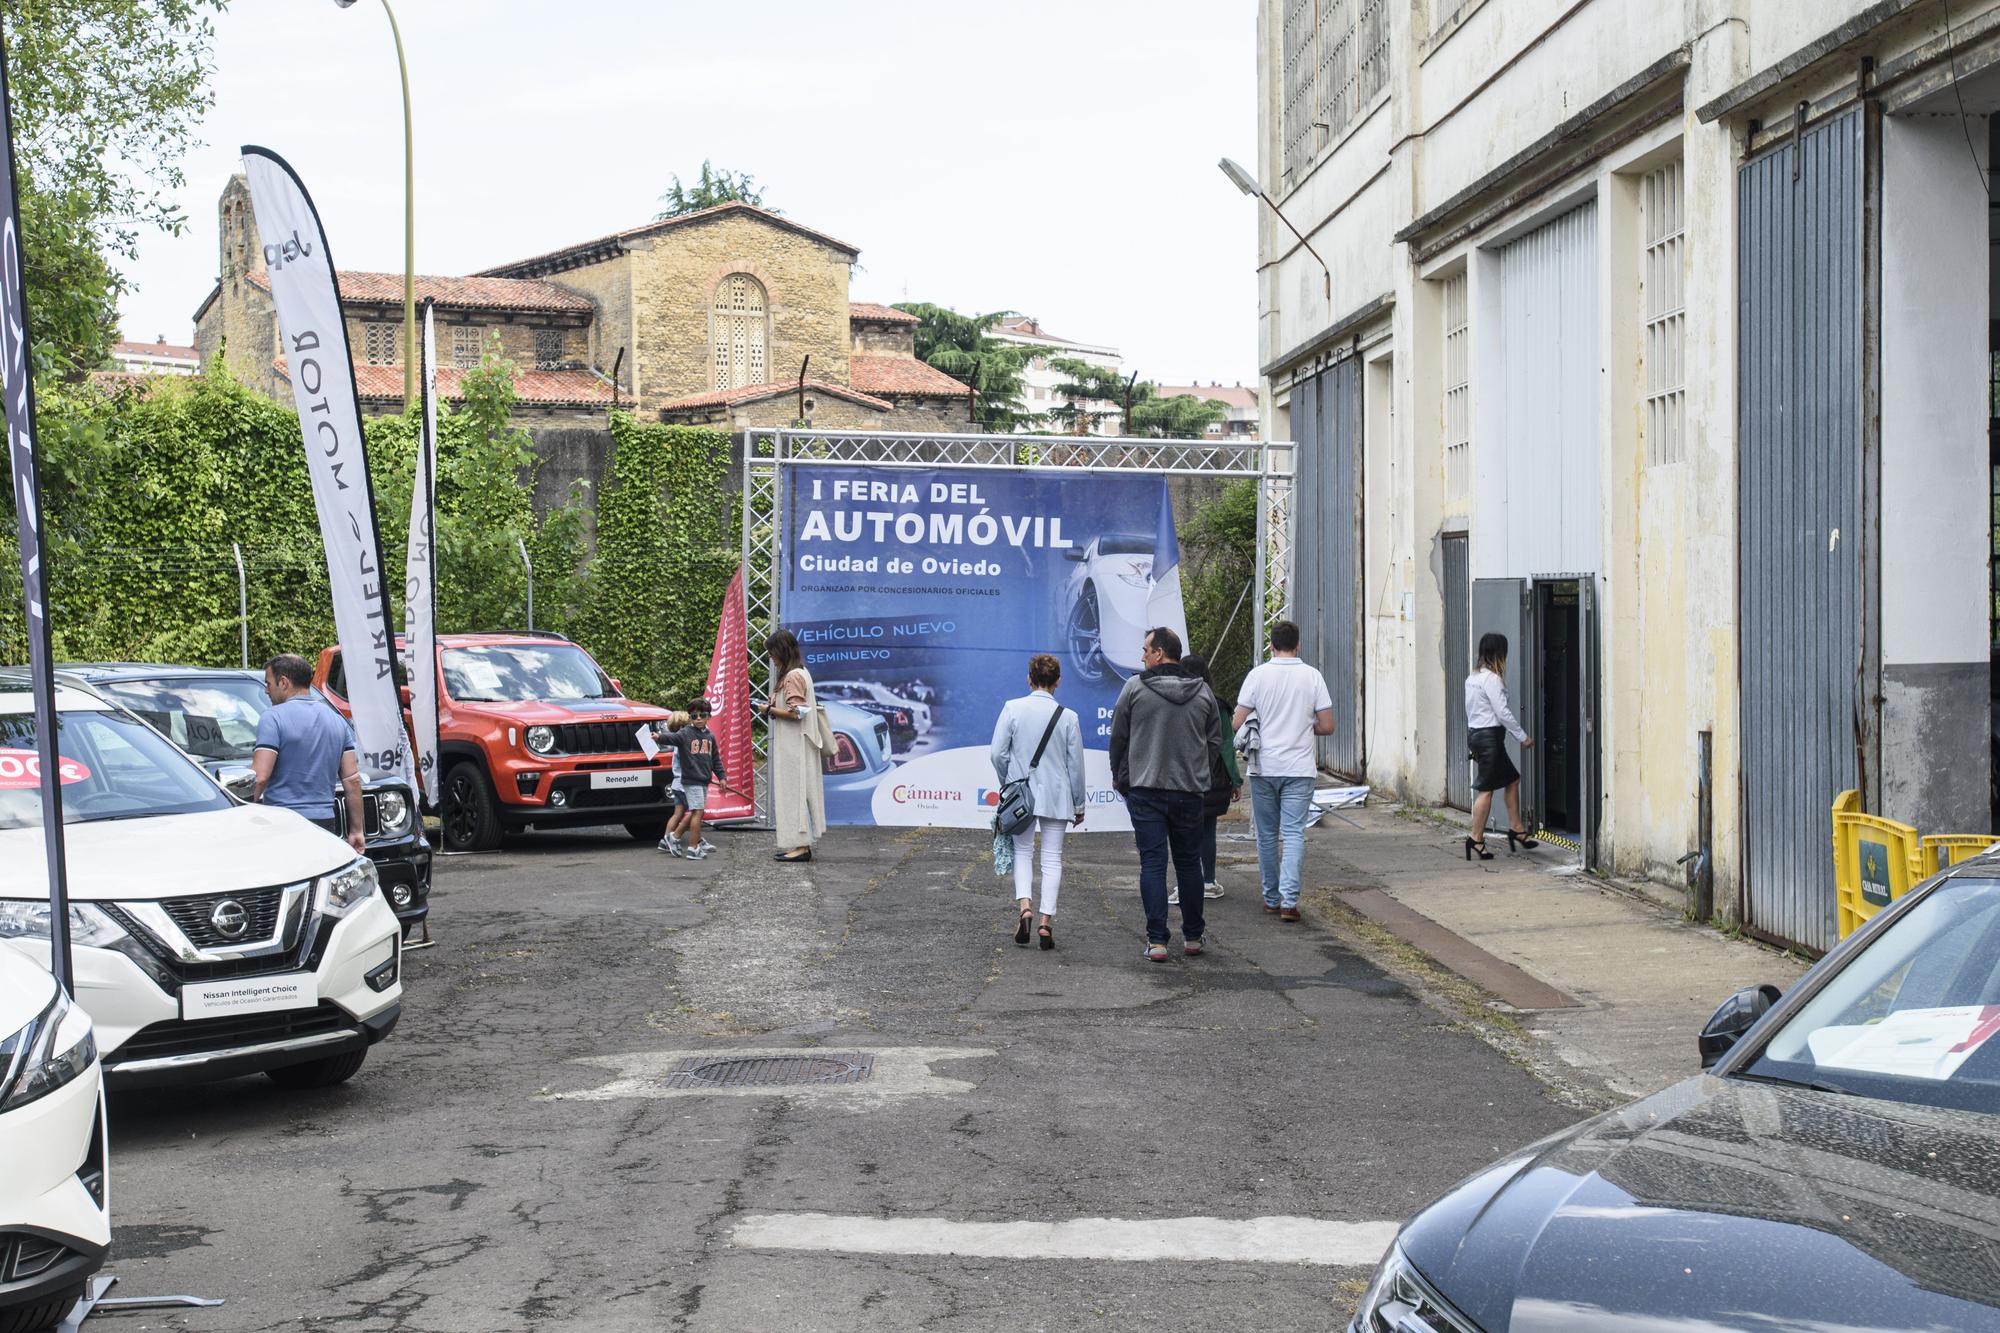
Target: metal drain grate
[[770, 1071]]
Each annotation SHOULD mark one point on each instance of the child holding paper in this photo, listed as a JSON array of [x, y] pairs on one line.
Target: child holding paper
[[697, 762]]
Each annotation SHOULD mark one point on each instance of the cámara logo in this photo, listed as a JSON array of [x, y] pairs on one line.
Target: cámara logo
[[903, 795]]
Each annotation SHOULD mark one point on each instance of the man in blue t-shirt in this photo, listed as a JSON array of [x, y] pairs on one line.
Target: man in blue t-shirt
[[305, 749]]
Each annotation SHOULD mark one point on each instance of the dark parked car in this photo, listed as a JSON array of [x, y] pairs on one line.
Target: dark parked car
[[212, 713], [1836, 1171]]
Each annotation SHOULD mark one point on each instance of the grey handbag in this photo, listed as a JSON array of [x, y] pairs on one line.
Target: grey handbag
[[1016, 810]]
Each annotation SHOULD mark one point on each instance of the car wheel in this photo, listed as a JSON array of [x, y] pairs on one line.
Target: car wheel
[[471, 814], [647, 830], [319, 1073], [1083, 637], [42, 1315]]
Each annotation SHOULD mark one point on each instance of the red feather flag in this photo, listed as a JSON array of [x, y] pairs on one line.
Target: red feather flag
[[729, 694]]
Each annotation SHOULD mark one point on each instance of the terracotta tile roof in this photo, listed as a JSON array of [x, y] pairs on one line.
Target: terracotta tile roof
[[904, 375], [537, 388], [455, 293], [571, 256], [175, 350], [880, 314], [1236, 395], [111, 383], [757, 392]]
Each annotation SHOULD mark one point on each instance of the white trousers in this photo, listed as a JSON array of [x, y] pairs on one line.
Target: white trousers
[[1024, 861]]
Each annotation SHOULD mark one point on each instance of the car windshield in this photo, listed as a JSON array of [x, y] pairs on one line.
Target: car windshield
[[1914, 1017], [113, 767], [522, 673], [1124, 543], [211, 717]]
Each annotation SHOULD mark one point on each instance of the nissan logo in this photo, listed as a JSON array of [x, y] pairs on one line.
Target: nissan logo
[[230, 919]]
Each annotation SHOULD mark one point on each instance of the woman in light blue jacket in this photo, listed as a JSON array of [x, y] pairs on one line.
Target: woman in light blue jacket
[[1055, 785]]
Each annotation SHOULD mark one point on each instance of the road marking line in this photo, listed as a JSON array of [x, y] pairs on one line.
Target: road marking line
[[1269, 1240], [900, 1071]]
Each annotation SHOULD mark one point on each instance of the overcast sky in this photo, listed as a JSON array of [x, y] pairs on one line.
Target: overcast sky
[[1055, 157]]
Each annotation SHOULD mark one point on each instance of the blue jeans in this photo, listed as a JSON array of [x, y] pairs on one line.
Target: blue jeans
[[1168, 823], [1279, 807]]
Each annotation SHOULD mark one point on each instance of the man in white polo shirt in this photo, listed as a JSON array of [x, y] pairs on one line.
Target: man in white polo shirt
[[1288, 699]]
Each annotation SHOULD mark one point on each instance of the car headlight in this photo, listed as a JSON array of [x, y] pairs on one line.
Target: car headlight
[[347, 888], [1135, 580], [55, 1048], [542, 740], [1397, 1293], [28, 918], [392, 810]]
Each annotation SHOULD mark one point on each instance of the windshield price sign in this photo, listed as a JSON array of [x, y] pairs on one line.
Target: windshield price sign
[[21, 770]]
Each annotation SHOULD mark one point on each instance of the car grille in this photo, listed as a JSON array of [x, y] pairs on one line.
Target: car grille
[[304, 956], [882, 737], [193, 915], [371, 818], [23, 1256], [202, 1036], [598, 737]]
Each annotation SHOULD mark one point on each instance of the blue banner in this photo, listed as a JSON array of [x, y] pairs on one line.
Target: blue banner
[[919, 596]]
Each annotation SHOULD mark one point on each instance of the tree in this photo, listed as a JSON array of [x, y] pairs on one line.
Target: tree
[[106, 98], [963, 347], [718, 185], [1181, 417], [1091, 394]]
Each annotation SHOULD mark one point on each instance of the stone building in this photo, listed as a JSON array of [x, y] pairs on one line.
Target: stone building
[[713, 317]]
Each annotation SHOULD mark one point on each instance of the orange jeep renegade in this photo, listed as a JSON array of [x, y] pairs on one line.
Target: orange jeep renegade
[[532, 733]]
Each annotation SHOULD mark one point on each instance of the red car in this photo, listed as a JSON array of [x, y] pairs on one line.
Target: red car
[[532, 734]]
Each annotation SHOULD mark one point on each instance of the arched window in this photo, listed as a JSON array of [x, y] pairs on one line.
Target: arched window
[[736, 332]]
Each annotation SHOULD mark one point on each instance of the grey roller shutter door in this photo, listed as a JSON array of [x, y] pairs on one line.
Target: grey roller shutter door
[[1326, 422], [1799, 456]]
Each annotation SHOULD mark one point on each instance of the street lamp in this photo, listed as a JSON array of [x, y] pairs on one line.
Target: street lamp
[[409, 215], [1247, 183]]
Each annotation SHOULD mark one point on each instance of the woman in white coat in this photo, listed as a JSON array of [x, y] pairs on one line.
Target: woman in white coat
[[1055, 786]]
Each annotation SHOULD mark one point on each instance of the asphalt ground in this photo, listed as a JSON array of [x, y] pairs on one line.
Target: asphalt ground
[[509, 1159]]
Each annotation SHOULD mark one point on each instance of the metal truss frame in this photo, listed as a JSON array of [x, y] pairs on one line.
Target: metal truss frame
[[768, 452]]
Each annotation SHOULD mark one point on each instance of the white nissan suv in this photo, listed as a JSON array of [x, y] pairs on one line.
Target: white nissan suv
[[211, 938]]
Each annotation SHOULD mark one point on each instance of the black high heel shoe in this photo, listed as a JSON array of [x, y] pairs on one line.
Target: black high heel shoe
[[1520, 841], [1473, 845]]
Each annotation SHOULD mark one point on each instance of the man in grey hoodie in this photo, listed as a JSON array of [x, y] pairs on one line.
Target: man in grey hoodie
[[1165, 733]]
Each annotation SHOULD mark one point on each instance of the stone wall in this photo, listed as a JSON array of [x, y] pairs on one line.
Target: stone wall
[[609, 287], [872, 339], [516, 334], [674, 277]]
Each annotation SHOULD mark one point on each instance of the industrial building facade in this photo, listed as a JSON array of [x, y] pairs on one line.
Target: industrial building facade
[[1660, 339]]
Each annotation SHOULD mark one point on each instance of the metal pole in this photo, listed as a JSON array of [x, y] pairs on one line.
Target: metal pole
[[528, 565], [409, 222], [1263, 540], [242, 602]]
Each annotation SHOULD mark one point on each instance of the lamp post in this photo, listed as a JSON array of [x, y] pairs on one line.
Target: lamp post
[[409, 215], [1247, 183]]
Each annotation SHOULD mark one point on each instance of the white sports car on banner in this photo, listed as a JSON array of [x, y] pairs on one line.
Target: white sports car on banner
[[211, 938], [1104, 614]]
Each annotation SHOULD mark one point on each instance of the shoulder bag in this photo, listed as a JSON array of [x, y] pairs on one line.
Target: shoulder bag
[[1017, 804]]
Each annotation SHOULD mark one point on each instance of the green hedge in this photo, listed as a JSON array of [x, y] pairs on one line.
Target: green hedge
[[145, 492]]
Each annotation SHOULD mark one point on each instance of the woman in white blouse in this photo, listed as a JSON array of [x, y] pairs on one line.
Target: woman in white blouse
[[1488, 723]]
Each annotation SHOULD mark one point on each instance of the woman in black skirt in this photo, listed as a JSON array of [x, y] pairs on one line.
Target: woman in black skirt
[[1489, 722]]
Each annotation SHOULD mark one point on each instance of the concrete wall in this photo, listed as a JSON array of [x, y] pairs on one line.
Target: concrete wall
[[1935, 475]]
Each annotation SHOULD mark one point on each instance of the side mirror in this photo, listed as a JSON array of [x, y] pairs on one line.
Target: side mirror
[[239, 782], [1736, 1016], [616, 688], [1074, 555]]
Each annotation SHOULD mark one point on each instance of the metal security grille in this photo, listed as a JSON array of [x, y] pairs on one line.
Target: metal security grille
[[1664, 289], [1336, 60], [767, 454], [770, 1071], [1326, 417], [736, 332], [1799, 255], [1457, 391], [1457, 665], [548, 349]]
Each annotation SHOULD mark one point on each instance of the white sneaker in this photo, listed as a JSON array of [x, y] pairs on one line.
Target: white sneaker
[[697, 853], [1173, 897], [670, 845], [704, 847], [1211, 890]]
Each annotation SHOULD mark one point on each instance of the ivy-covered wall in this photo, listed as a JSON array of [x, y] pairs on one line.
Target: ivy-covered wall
[[144, 495]]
